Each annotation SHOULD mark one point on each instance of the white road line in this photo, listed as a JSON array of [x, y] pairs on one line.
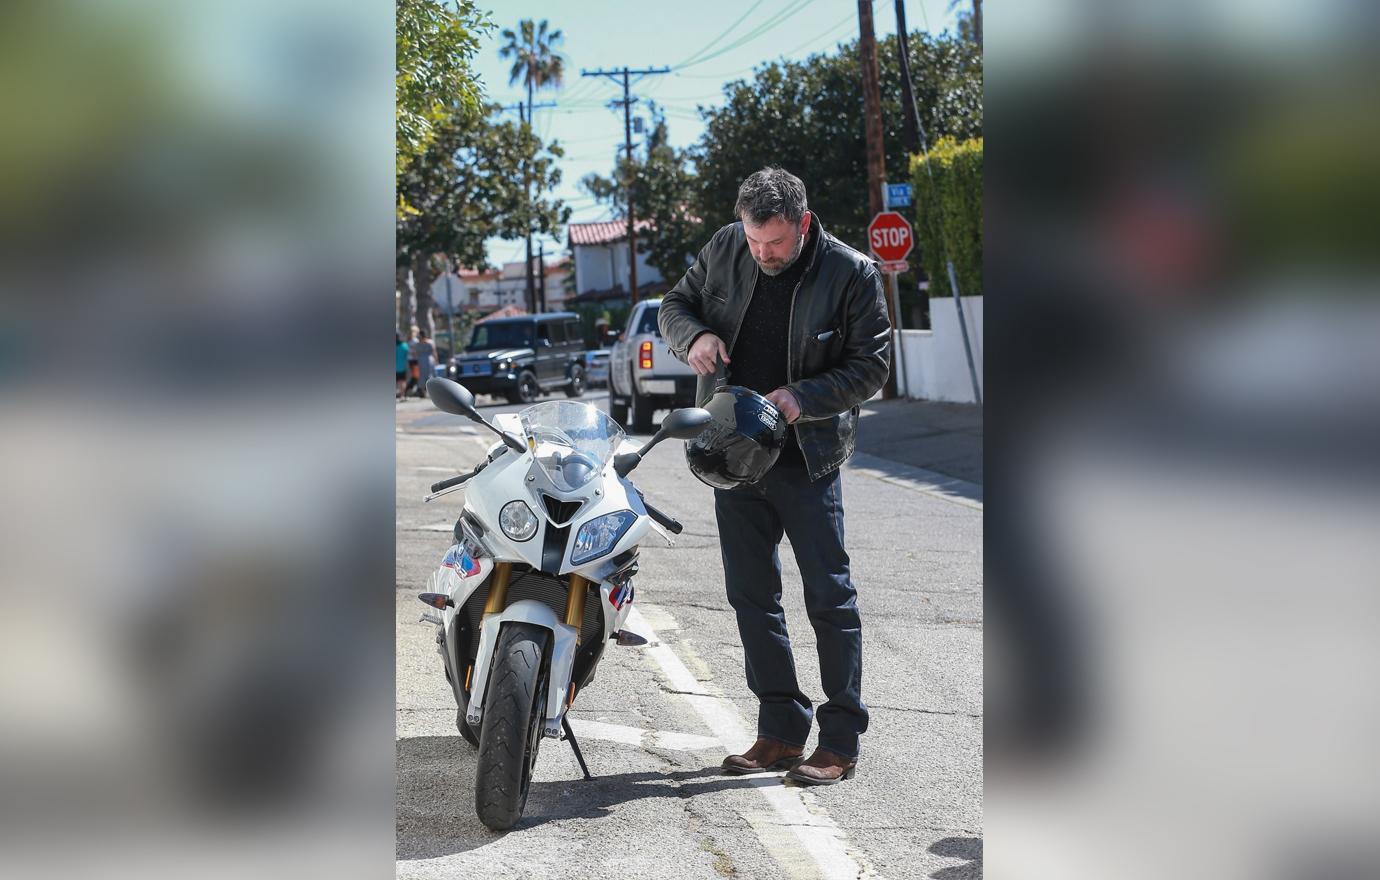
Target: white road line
[[810, 831]]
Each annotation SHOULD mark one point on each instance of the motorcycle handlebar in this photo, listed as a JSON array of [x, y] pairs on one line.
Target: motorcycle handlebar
[[457, 479]]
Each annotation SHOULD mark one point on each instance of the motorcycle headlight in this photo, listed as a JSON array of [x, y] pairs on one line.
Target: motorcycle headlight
[[517, 521], [599, 535]]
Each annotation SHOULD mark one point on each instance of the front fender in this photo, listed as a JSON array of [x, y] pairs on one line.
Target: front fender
[[563, 645]]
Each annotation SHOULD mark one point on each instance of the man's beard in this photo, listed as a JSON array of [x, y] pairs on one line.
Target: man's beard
[[795, 255]]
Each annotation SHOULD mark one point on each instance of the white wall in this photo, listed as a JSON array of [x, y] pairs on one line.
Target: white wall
[[460, 292], [555, 291], [931, 364], [645, 273], [592, 270]]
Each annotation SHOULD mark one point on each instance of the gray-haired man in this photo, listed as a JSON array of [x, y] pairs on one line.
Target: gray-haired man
[[798, 317]]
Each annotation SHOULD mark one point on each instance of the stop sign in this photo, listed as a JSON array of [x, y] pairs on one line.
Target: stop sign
[[889, 236]]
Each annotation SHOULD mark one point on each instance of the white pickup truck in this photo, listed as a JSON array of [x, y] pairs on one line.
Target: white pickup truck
[[643, 374]]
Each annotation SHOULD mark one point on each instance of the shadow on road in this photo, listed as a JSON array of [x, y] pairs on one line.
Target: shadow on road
[[435, 799], [969, 848]]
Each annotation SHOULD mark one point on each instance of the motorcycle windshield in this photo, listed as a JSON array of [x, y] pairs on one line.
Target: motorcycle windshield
[[574, 441]]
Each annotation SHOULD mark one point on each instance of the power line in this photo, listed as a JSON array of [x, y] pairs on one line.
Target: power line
[[833, 32], [761, 29], [715, 41], [847, 19], [627, 103]]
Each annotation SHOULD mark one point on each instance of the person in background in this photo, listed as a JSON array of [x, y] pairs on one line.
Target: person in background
[[400, 356], [426, 357], [412, 382]]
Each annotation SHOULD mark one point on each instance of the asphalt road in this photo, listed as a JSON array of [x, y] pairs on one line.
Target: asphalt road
[[656, 721]]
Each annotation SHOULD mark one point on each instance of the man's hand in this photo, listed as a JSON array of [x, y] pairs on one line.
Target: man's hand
[[785, 401], [702, 353]]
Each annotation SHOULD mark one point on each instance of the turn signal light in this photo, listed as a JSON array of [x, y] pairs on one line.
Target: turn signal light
[[644, 358]]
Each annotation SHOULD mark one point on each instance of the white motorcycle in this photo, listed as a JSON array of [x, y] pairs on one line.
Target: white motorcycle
[[539, 579]]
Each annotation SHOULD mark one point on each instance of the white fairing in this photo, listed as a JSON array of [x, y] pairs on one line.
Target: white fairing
[[512, 476]]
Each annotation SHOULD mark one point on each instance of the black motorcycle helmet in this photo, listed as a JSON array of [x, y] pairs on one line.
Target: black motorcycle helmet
[[743, 441]]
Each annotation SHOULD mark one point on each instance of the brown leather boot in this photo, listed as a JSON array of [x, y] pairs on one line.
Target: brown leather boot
[[823, 767], [764, 756]]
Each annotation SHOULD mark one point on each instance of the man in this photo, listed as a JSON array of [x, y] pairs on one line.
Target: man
[[797, 316]]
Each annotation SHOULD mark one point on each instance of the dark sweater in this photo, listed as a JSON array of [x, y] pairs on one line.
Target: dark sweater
[[759, 354]]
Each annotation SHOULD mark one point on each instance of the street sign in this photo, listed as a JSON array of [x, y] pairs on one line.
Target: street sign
[[897, 195], [889, 236], [897, 266]]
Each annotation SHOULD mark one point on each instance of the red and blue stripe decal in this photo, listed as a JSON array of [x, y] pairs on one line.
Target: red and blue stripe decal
[[458, 559]]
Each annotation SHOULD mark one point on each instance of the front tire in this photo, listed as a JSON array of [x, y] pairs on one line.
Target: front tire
[[511, 731]]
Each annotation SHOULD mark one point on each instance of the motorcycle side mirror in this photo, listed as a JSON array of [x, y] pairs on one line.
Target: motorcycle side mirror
[[451, 397], [682, 424]]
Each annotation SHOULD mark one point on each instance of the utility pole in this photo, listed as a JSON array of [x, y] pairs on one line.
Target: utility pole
[[876, 160], [527, 191], [627, 103], [451, 268], [541, 267]]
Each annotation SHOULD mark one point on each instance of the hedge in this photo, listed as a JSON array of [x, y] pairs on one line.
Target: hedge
[[948, 213]]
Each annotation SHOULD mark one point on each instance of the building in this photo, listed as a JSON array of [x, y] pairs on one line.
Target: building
[[512, 284], [489, 289], [601, 259]]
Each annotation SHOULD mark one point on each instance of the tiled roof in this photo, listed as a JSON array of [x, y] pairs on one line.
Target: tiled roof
[[603, 233]]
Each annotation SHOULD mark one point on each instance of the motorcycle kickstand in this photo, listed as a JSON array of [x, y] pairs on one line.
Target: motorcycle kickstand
[[575, 746]]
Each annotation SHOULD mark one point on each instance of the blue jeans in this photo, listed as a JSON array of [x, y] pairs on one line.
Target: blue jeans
[[752, 520]]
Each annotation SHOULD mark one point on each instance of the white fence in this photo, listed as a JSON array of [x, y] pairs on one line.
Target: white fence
[[931, 363]]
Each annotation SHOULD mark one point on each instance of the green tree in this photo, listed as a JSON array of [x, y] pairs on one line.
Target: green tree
[[663, 189], [970, 21], [947, 183], [807, 117], [436, 43], [467, 187], [535, 63], [532, 49]]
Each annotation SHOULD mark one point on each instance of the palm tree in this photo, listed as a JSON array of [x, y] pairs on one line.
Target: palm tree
[[535, 61], [533, 50]]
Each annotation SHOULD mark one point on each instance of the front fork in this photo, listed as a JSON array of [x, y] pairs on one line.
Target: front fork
[[497, 602], [497, 599]]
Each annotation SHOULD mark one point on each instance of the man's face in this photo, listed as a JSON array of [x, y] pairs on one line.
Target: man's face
[[776, 243]]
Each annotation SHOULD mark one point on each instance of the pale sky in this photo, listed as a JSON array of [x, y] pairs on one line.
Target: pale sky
[[695, 39]]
